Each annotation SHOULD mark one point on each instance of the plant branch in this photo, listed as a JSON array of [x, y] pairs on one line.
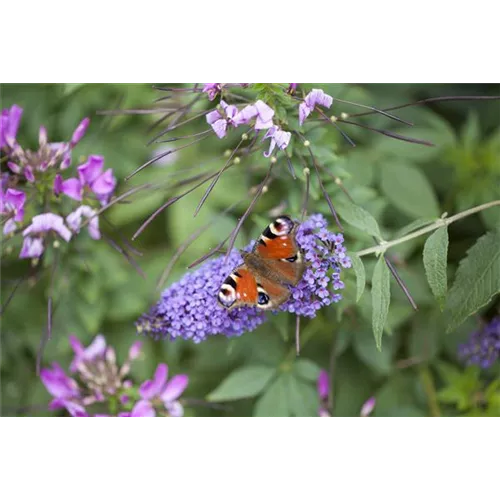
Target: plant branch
[[442, 222]]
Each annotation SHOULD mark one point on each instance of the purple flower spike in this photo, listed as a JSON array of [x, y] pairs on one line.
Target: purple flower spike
[[9, 123], [79, 132], [483, 347], [315, 98], [189, 308], [74, 221]]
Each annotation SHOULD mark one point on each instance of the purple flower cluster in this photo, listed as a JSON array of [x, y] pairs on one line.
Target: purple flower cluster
[[101, 381], [483, 346], [33, 172], [189, 308], [325, 254]]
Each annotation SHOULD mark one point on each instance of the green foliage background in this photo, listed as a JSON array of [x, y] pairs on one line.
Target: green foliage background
[[416, 373]]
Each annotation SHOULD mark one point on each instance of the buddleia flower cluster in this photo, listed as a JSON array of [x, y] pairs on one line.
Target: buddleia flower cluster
[[43, 197], [189, 308], [99, 387], [483, 346]]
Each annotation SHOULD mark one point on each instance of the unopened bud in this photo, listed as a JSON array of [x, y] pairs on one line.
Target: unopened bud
[[344, 116], [307, 144], [333, 118], [227, 153], [307, 171], [273, 159], [56, 244], [34, 262], [244, 137], [236, 160], [265, 189]]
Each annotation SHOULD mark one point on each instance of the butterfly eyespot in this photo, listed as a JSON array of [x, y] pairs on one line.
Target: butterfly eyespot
[[263, 299], [227, 295]]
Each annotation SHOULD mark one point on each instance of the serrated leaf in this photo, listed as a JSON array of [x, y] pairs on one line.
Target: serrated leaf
[[381, 298], [408, 190], [306, 369], [359, 218], [359, 269], [435, 261], [274, 402], [243, 383], [477, 280]]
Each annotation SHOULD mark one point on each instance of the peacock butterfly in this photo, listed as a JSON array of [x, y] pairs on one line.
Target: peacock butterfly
[[274, 262]]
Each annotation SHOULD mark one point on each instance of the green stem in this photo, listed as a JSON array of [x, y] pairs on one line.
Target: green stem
[[444, 221], [430, 391]]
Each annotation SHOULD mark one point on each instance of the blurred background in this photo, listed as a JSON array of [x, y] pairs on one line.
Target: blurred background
[[107, 295]]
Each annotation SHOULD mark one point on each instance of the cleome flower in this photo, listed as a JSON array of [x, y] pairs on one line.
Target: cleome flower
[[189, 308]]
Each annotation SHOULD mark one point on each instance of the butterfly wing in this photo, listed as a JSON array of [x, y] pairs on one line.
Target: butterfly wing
[[277, 246], [241, 288]]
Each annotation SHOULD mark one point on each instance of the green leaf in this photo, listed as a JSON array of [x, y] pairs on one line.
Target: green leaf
[[379, 361], [359, 218], [274, 402], [408, 190], [435, 261], [381, 298], [302, 398], [477, 280], [359, 269], [243, 383], [306, 369]]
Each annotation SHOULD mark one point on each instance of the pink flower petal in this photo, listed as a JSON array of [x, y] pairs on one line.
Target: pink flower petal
[[220, 127], [143, 409], [32, 248], [154, 387], [174, 388], [323, 385], [213, 116], [175, 409], [91, 169]]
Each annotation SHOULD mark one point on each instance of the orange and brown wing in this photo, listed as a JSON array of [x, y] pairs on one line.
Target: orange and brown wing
[[277, 243], [241, 288], [238, 289]]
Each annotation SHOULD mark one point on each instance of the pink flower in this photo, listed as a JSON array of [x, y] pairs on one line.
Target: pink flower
[[212, 89], [219, 122], [71, 187], [262, 113], [314, 98], [12, 204], [91, 174], [97, 349], [34, 233], [278, 137], [167, 392], [74, 221], [79, 132], [9, 123]]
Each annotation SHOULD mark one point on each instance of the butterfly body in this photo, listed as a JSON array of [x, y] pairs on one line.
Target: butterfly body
[[274, 263]]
